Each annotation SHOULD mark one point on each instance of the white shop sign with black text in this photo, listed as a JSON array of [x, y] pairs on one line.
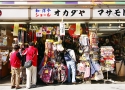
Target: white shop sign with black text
[[108, 13], [12, 14], [48, 13]]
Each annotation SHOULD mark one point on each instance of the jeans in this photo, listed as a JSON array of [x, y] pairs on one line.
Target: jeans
[[71, 67]]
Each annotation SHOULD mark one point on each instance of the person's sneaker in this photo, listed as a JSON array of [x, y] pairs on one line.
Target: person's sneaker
[[27, 88], [73, 82], [18, 87], [33, 86], [12, 87]]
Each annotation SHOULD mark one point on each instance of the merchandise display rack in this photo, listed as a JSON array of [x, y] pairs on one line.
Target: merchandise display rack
[[107, 61]]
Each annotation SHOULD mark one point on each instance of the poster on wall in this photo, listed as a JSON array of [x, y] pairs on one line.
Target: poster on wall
[[108, 13], [38, 33], [3, 57], [3, 32], [49, 13]]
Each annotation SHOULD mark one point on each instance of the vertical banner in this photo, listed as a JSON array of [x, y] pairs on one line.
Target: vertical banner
[[78, 27], [15, 29], [62, 28]]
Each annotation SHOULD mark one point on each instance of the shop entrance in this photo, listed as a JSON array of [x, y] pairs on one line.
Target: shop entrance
[[111, 34]]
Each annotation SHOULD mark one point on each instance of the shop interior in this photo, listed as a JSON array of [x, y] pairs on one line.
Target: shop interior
[[103, 36]]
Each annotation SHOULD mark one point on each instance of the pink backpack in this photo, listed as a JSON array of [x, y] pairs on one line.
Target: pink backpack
[[61, 73], [46, 75]]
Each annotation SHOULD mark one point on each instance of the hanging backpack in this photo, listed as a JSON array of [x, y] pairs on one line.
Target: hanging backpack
[[61, 73], [46, 75]]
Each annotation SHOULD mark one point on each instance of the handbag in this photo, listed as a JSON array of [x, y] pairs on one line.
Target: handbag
[[29, 62]]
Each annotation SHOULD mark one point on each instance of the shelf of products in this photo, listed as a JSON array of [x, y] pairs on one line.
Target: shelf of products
[[4, 63]]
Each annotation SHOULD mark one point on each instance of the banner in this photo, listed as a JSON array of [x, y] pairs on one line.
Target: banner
[[62, 28], [78, 27], [15, 29]]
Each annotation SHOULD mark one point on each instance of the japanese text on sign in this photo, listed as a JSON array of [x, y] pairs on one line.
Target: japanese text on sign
[[73, 12], [43, 12], [47, 12], [108, 12]]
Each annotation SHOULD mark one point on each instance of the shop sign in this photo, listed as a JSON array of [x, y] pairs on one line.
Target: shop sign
[[11, 14], [48, 13], [108, 13]]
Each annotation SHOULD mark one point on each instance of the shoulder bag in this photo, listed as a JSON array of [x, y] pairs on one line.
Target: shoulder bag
[[29, 62]]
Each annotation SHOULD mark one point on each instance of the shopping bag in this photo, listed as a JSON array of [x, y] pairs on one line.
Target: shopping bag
[[98, 76]]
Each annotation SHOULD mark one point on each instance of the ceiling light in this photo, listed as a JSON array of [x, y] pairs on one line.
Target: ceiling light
[[109, 30], [122, 25], [12, 22], [110, 25], [106, 22], [99, 33], [71, 22]]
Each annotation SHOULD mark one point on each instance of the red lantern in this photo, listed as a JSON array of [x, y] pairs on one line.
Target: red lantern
[[72, 30]]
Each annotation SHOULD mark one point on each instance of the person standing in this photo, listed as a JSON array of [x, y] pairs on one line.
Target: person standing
[[22, 69], [71, 65], [15, 62], [31, 54]]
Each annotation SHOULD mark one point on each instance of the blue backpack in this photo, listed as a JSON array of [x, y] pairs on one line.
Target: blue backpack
[[67, 56]]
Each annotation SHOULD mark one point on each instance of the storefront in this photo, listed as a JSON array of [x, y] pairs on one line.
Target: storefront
[[9, 33], [43, 25]]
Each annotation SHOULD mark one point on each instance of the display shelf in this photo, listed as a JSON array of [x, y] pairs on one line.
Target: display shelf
[[4, 63], [107, 61], [6, 47]]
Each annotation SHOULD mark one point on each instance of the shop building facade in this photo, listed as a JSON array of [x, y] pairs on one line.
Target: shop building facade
[[102, 18]]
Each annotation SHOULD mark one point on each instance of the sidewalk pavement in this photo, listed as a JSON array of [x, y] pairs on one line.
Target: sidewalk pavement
[[72, 87]]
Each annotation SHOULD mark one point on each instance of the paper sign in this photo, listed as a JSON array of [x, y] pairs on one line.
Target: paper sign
[[62, 28], [38, 33]]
